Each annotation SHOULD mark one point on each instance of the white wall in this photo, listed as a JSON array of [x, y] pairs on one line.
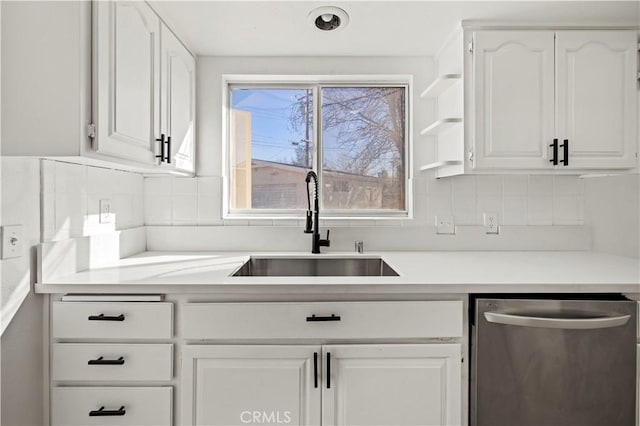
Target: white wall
[[612, 212], [21, 343], [70, 195], [209, 93], [520, 201]]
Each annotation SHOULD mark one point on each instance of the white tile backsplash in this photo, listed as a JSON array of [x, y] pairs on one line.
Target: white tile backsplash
[[540, 209], [184, 209], [541, 185], [185, 186], [514, 210], [70, 178], [490, 186], [71, 195], [157, 209], [515, 185], [518, 199]]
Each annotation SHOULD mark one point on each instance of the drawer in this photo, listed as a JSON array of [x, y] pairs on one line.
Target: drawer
[[111, 362], [70, 406], [338, 320], [112, 320]]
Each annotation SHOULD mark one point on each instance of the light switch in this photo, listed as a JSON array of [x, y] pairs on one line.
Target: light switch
[[12, 245]]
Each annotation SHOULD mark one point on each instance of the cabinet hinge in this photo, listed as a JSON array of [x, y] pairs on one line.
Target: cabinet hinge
[[91, 130], [471, 156], [470, 46]]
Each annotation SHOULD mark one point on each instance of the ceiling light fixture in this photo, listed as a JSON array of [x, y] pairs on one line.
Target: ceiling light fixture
[[328, 18]]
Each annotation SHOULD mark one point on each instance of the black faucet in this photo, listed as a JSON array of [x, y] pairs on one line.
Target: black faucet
[[313, 221]]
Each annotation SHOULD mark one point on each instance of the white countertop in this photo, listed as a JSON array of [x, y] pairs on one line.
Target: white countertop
[[420, 272]]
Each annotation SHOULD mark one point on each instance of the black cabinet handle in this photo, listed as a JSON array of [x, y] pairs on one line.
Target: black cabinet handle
[[162, 142], [315, 369], [168, 156], [102, 412], [103, 317], [314, 318], [102, 361], [565, 146], [554, 159], [328, 370]]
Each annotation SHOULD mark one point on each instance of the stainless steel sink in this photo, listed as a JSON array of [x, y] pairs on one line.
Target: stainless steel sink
[[315, 267]]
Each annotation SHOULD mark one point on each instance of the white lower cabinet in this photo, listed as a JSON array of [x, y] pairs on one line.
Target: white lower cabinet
[[236, 385], [392, 385], [115, 360], [380, 384], [103, 370], [73, 406]]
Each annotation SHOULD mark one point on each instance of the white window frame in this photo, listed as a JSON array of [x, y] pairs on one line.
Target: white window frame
[[316, 81]]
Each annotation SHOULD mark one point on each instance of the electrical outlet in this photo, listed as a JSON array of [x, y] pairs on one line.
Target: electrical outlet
[[12, 241], [491, 225], [445, 225], [105, 211]]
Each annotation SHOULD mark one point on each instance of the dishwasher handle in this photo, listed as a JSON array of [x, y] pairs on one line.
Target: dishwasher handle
[[598, 321]]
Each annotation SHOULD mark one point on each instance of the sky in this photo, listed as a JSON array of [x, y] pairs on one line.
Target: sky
[[273, 136]]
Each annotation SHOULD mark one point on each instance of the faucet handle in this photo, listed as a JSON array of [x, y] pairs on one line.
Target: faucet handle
[[326, 243]]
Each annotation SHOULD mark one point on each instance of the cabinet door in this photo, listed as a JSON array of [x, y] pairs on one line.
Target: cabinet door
[[392, 385], [178, 101], [127, 80], [514, 103], [237, 385], [597, 97]]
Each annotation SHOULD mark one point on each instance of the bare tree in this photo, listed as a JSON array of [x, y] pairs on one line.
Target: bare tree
[[368, 124]]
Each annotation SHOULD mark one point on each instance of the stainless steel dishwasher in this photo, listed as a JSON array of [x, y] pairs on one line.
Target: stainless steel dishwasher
[[553, 362]]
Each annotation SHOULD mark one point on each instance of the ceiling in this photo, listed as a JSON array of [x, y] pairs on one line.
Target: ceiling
[[376, 28]]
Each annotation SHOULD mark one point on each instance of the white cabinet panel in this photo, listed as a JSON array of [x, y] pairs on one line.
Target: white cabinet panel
[[112, 320], [596, 97], [514, 98], [111, 362], [351, 320], [237, 385], [392, 385], [70, 406], [178, 101], [127, 81]]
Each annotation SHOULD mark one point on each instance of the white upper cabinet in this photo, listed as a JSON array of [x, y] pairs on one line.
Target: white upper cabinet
[[596, 97], [127, 80], [513, 80], [115, 79], [554, 100], [177, 102]]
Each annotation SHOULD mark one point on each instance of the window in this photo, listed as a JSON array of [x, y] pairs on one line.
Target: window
[[353, 135]]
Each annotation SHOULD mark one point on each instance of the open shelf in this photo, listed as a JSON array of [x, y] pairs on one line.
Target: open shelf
[[440, 84], [441, 125], [440, 164]]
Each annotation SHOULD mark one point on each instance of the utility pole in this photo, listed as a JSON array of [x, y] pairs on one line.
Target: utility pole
[[307, 133]]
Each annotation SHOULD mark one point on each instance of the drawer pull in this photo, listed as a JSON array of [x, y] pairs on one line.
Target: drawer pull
[[102, 361], [315, 369], [102, 412], [103, 317], [328, 370], [314, 318]]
